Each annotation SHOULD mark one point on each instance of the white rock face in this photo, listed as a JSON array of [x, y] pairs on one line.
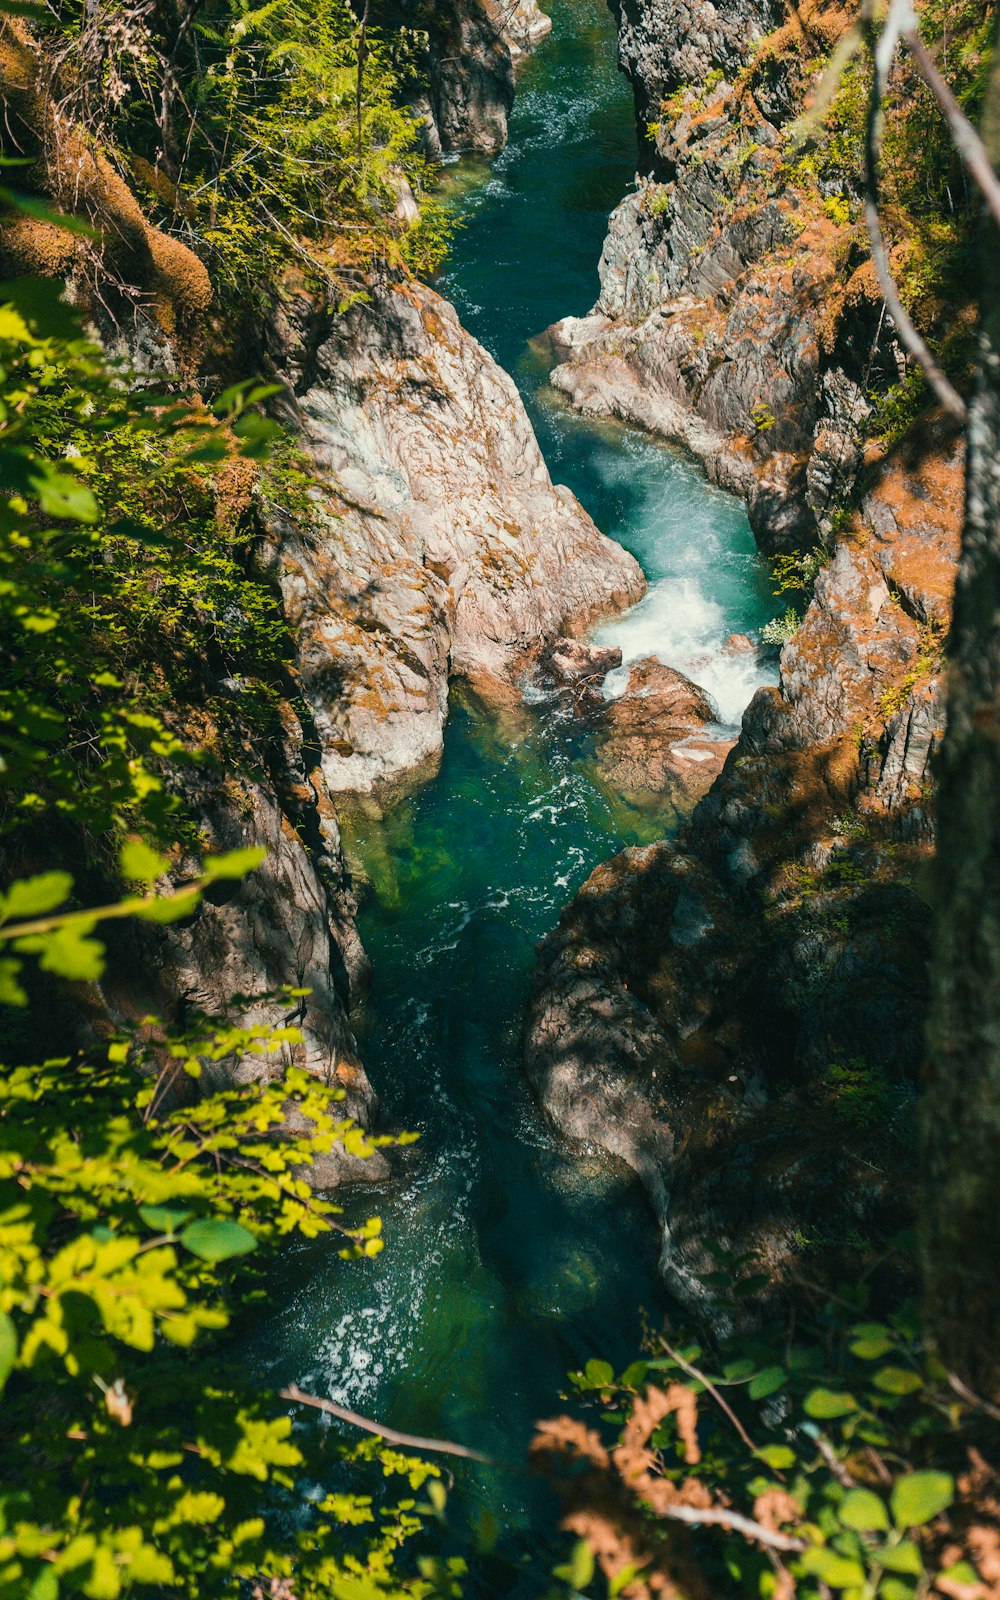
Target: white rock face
[[439, 545]]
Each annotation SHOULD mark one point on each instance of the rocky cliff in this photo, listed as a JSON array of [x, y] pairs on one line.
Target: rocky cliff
[[739, 315], [439, 546], [462, 81], [738, 1013]]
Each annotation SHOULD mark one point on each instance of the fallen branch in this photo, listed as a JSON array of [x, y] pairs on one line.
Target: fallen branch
[[409, 1441]]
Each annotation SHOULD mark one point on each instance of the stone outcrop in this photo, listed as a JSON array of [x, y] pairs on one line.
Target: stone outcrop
[[288, 924], [732, 316], [439, 545], [738, 1012], [464, 80]]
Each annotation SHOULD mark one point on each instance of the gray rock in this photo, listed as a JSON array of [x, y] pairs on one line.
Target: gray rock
[[439, 544], [572, 661]]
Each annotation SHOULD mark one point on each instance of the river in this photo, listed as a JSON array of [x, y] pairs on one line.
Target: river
[[510, 1260]]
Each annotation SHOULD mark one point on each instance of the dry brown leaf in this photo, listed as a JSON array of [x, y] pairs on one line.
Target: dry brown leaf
[[775, 1508], [566, 1436]]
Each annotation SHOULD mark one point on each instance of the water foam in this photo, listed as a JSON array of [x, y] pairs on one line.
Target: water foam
[[679, 625]]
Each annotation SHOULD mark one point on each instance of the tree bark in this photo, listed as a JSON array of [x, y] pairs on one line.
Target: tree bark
[[960, 1110]]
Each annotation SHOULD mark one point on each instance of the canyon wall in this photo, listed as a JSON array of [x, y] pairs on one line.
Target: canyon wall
[[738, 316], [738, 1012], [462, 83], [425, 540]]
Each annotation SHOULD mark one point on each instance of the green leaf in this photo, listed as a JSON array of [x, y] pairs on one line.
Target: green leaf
[[235, 864], [635, 1374], [59, 495], [46, 1585], [168, 907], [12, 992], [864, 1511], [920, 1496], [218, 1239], [826, 1403], [767, 1382], [140, 863], [896, 1589], [902, 1557], [163, 1219], [777, 1456], [599, 1374], [733, 1371], [962, 1572], [579, 1569], [840, 1572], [8, 1347], [897, 1380], [68, 951], [871, 1341], [33, 897]]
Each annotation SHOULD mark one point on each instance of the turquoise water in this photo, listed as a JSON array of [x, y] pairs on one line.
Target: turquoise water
[[508, 1259]]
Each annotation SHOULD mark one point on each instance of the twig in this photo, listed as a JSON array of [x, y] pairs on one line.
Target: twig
[[834, 1462], [964, 136], [410, 1441], [900, 18], [721, 1516], [971, 1399], [694, 1372]]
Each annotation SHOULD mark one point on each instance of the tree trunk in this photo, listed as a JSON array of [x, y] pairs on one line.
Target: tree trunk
[[960, 1220]]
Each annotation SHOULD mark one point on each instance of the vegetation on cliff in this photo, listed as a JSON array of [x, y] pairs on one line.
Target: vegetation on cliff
[[142, 641], [140, 635]]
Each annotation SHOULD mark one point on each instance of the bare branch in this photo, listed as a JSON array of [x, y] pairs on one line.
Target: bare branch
[[724, 1518], [900, 17], [695, 1372], [972, 1399], [964, 136], [409, 1441]]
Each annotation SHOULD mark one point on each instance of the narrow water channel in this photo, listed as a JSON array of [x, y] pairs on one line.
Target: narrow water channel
[[508, 1259]]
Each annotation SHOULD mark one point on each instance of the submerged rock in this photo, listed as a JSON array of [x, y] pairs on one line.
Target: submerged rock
[[574, 661]]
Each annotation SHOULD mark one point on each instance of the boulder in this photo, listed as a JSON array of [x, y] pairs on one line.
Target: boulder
[[573, 661], [652, 740]]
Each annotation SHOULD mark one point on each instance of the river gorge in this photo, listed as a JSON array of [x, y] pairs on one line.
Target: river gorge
[[486, 565], [510, 1259]]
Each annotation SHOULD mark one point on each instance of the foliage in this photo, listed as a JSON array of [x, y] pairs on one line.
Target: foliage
[[121, 593], [264, 135], [780, 629], [930, 659], [123, 1235], [831, 1454], [897, 409], [798, 570], [132, 1214]]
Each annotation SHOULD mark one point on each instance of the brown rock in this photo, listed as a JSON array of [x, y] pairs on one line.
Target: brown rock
[[652, 740], [739, 644], [573, 661]]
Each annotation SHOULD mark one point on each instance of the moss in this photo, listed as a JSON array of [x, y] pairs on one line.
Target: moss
[[77, 175]]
